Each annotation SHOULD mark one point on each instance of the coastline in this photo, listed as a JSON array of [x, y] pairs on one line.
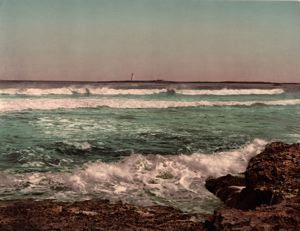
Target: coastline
[[265, 197], [22, 85], [144, 81]]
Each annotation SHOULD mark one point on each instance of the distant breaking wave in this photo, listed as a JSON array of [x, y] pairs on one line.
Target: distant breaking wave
[[226, 91], [110, 91], [48, 104]]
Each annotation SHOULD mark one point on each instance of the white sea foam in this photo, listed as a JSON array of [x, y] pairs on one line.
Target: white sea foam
[[7, 105], [165, 173], [226, 91], [77, 90], [111, 91], [176, 180]]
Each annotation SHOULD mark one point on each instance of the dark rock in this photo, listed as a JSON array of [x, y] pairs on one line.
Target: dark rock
[[92, 215], [282, 216], [276, 169], [227, 188], [171, 91], [270, 199]]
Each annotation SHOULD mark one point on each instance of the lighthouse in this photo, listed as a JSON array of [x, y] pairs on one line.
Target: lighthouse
[[132, 76]]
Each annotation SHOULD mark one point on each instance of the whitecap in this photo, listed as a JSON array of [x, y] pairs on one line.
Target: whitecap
[[8, 105], [90, 90]]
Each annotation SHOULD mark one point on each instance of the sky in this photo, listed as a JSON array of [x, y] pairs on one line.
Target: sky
[[179, 40]]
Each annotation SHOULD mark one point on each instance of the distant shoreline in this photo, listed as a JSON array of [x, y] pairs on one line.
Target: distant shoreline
[[146, 81]]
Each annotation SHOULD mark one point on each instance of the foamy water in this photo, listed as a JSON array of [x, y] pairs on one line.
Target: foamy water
[[141, 179], [225, 91], [111, 91], [107, 147], [8, 105]]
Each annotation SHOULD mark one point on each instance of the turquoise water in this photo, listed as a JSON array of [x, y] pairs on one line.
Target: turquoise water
[[139, 148]]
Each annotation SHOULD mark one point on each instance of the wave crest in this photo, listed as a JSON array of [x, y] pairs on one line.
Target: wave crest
[[89, 90], [226, 91], [8, 105]]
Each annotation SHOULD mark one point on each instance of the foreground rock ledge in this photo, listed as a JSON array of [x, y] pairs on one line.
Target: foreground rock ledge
[[265, 197], [92, 215]]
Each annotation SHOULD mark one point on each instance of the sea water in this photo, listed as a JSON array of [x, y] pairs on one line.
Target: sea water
[[141, 143]]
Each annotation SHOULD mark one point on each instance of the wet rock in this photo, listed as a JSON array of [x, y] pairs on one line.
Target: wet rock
[[227, 188]]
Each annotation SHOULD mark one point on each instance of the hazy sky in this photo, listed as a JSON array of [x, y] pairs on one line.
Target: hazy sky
[[156, 39]]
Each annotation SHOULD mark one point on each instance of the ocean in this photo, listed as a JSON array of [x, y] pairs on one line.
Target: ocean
[[142, 143]]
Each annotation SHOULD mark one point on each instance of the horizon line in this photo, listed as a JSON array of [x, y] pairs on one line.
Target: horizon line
[[145, 81]]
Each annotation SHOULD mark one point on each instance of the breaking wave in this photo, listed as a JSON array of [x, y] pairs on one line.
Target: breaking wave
[[139, 179], [226, 91], [111, 91], [8, 105]]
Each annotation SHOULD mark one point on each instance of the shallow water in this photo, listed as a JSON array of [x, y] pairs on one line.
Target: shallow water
[[143, 144]]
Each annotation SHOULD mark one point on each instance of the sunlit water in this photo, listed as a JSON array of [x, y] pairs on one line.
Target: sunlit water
[[139, 143]]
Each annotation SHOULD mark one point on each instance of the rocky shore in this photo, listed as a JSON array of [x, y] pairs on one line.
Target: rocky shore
[[92, 215], [265, 197]]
